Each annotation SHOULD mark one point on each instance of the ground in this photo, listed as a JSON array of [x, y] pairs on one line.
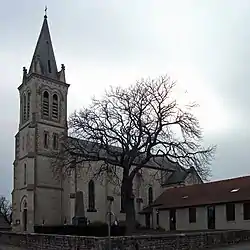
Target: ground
[[243, 246], [9, 248]]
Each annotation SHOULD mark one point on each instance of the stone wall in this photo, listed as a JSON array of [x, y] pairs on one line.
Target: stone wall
[[189, 241]]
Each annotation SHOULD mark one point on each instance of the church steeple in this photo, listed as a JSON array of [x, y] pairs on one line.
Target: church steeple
[[43, 61], [43, 121]]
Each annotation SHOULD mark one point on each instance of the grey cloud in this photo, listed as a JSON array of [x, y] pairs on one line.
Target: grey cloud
[[212, 36], [232, 154]]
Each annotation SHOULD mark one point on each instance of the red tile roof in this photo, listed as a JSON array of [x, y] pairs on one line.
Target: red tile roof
[[231, 190]]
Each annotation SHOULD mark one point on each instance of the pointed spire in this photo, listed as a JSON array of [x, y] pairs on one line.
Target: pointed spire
[[43, 61], [24, 74], [61, 74]]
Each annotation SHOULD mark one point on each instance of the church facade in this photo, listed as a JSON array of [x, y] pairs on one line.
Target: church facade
[[38, 198]]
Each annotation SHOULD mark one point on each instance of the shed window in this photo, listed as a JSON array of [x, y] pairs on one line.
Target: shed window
[[192, 214], [230, 211], [246, 211]]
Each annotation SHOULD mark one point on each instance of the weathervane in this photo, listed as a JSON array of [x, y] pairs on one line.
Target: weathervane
[[45, 11]]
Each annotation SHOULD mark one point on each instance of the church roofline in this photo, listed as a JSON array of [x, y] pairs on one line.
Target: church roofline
[[93, 149]]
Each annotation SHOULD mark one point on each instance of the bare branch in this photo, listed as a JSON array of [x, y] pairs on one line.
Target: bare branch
[[142, 126], [5, 209]]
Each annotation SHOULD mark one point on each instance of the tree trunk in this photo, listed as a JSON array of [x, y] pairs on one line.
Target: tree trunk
[[128, 204], [130, 217]]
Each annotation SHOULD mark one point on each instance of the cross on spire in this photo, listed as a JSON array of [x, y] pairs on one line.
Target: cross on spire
[[43, 57], [45, 11]]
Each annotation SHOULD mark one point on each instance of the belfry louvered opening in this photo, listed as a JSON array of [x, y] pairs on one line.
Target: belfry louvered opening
[[24, 108], [45, 104], [55, 106], [28, 106]]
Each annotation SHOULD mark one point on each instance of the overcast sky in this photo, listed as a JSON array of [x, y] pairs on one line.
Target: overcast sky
[[203, 44]]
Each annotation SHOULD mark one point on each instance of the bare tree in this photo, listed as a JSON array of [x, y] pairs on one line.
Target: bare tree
[[5, 209], [133, 128]]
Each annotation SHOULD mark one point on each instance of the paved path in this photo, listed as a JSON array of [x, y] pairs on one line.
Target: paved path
[[9, 248], [244, 246]]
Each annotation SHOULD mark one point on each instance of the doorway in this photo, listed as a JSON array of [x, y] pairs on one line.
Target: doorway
[[25, 220], [172, 219], [211, 217]]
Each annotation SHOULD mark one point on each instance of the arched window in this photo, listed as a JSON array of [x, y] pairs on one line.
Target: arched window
[[91, 196], [150, 195], [25, 204], [25, 175], [28, 106], [45, 104], [24, 108], [55, 106]]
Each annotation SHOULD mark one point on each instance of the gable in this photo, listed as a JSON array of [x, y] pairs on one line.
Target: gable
[[192, 178]]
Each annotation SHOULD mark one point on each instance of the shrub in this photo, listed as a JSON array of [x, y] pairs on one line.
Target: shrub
[[96, 228]]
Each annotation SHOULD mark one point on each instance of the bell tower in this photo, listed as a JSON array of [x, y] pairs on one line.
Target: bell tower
[[37, 195]]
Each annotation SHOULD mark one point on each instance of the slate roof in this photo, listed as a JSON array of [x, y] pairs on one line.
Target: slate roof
[[179, 176], [230, 190], [44, 53], [91, 149]]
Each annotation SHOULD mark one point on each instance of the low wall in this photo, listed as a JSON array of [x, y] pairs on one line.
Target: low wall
[[188, 241]]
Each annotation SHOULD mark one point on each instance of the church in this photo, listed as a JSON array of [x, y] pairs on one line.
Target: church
[[38, 198]]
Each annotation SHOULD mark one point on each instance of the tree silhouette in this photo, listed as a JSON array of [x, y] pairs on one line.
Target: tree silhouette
[[135, 128]]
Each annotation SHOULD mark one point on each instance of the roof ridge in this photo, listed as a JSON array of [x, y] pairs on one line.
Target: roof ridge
[[215, 192], [228, 179], [212, 182]]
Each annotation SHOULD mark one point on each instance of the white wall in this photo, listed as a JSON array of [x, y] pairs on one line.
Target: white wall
[[221, 223], [239, 223], [182, 219], [108, 186], [164, 219], [46, 203]]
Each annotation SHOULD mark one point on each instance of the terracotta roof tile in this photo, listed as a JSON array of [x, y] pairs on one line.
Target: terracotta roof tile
[[230, 190]]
